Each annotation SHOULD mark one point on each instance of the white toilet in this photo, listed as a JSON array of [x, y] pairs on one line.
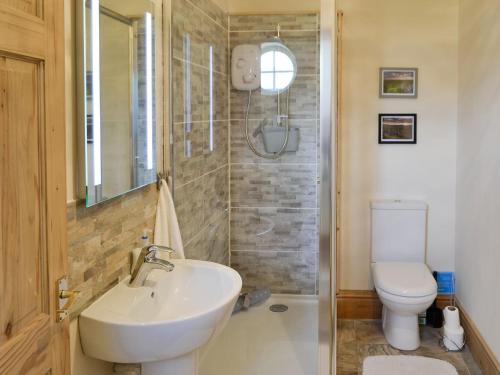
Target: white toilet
[[403, 281]]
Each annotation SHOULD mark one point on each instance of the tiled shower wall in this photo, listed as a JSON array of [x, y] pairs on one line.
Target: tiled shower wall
[[200, 96], [274, 210], [274, 203]]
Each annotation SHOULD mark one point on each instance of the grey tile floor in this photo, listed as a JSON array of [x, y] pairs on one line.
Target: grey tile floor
[[358, 339]]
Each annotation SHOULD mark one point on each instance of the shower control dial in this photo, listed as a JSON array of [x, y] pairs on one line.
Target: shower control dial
[[249, 77]]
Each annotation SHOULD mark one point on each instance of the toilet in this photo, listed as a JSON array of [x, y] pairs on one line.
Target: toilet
[[403, 281]]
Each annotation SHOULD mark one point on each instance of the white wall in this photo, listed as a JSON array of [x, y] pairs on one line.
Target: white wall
[[271, 6], [398, 33], [478, 172]]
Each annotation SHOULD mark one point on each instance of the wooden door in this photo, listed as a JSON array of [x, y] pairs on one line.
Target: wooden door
[[32, 187]]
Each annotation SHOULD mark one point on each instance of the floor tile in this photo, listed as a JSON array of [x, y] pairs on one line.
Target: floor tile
[[346, 332], [358, 339], [347, 357], [369, 332]]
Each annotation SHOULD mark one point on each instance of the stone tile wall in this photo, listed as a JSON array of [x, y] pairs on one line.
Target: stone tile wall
[[274, 209], [100, 239], [201, 175]]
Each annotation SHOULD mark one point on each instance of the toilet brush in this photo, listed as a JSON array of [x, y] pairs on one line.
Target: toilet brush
[[434, 316]]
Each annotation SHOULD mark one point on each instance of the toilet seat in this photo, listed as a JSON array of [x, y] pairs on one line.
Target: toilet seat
[[403, 279]]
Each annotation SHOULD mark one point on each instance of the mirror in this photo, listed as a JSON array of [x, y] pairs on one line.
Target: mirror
[[118, 101], [278, 67]]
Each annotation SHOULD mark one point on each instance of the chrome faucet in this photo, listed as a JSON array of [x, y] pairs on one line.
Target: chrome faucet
[[147, 262]]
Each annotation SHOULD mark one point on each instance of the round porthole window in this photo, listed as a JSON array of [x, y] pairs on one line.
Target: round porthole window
[[278, 67]]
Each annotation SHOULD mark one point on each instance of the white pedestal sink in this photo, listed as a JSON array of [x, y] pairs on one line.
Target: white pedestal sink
[[163, 324]]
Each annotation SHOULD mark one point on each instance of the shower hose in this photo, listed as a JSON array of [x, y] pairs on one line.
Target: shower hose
[[287, 128]]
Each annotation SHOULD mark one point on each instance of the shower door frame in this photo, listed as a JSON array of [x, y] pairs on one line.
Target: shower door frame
[[327, 232]]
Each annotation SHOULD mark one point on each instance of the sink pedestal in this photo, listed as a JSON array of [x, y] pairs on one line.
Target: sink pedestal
[[185, 365]]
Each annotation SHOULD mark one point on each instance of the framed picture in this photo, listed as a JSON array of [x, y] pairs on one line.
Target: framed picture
[[397, 128], [398, 82]]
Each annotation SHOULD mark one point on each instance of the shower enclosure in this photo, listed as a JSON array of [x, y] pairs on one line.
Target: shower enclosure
[[250, 164]]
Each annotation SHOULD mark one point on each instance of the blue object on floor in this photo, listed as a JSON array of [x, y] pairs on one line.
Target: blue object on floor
[[446, 282]]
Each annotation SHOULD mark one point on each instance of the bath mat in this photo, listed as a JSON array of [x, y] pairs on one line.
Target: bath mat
[[406, 365]]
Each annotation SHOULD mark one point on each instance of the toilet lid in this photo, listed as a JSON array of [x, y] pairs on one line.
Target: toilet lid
[[404, 279]]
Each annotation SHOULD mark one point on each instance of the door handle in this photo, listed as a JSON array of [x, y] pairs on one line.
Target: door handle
[[65, 298]]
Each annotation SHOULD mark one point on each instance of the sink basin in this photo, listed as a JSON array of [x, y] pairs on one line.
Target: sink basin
[[165, 322]]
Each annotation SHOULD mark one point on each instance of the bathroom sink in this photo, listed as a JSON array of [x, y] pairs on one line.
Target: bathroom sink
[[164, 322]]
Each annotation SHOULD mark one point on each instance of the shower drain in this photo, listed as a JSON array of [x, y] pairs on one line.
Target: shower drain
[[278, 308]]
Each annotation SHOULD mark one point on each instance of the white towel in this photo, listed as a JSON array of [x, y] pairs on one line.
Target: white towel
[[167, 231]]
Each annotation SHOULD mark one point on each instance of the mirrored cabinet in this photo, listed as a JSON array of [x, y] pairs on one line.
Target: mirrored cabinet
[[117, 97]]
